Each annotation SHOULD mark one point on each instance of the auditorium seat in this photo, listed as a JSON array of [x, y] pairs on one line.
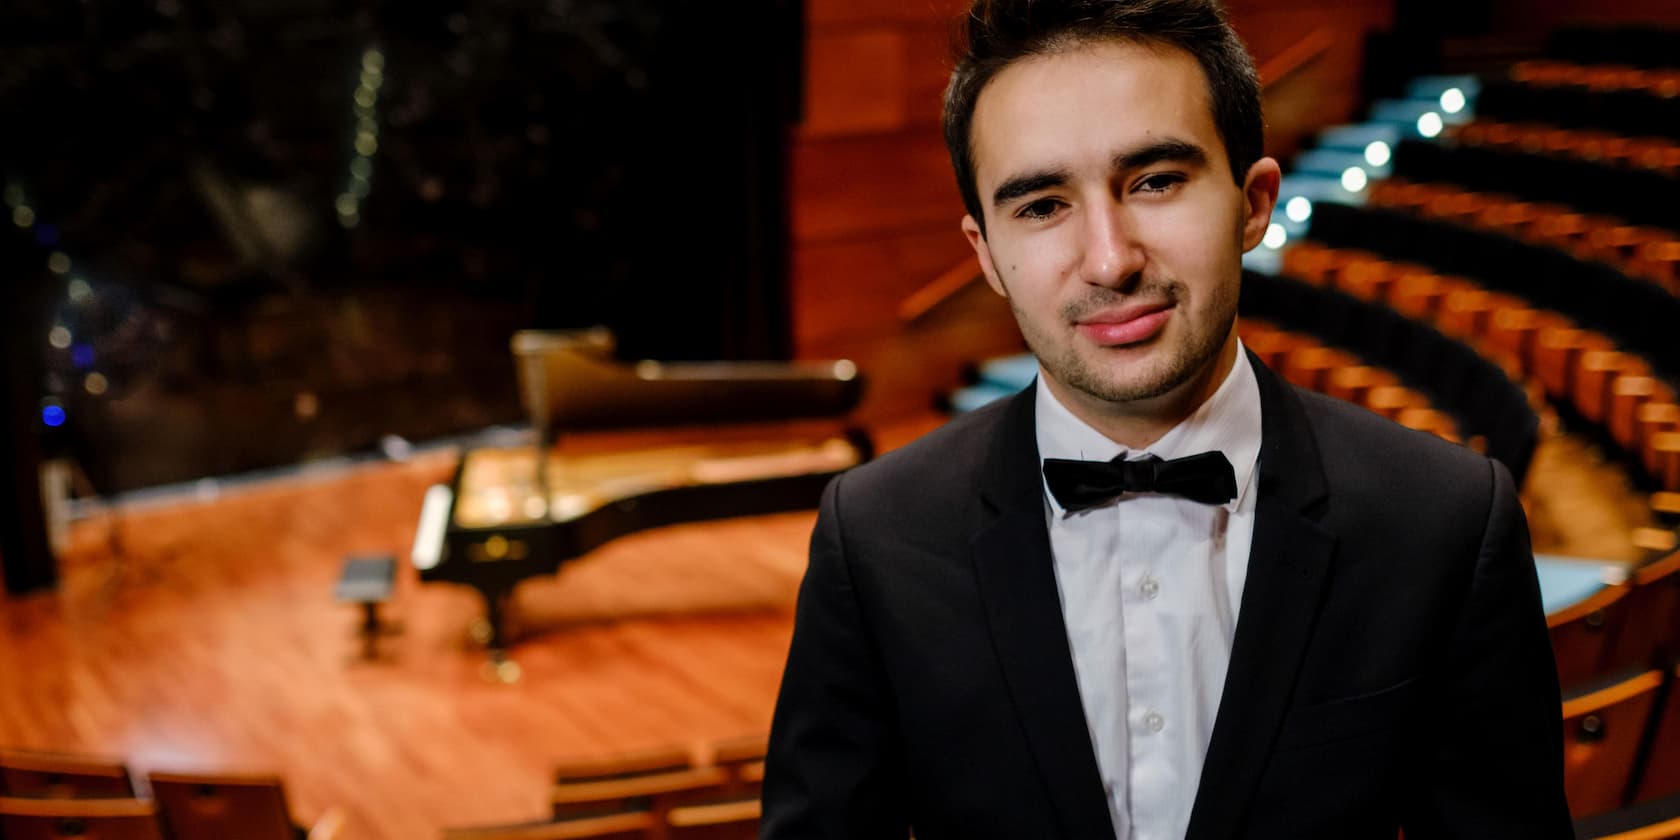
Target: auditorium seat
[[655, 794], [655, 760], [57, 776], [83, 819], [743, 758], [638, 826], [736, 820], [1661, 776], [1649, 630], [1654, 820], [219, 806], [1582, 634], [1603, 730]]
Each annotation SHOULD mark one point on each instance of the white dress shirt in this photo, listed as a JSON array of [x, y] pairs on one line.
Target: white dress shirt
[[1150, 585]]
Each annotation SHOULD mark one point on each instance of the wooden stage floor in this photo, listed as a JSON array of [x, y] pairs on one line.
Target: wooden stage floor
[[210, 640]]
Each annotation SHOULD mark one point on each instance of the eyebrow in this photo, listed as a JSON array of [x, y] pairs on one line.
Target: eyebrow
[[1168, 149]]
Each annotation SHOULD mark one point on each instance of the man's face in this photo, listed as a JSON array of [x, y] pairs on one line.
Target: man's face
[[1113, 224]]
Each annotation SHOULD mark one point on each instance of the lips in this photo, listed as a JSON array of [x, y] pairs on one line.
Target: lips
[[1128, 325]]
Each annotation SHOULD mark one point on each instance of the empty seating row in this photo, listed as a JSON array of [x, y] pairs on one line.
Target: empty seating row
[[1656, 154], [46, 795], [1491, 412], [1630, 111], [1628, 196], [707, 791], [1638, 316], [1648, 254]]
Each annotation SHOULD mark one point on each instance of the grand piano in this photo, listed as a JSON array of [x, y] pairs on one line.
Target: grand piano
[[622, 447]]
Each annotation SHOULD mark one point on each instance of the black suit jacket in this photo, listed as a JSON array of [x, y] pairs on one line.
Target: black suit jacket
[[1390, 666]]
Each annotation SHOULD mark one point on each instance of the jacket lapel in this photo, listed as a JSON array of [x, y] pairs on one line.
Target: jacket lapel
[[1288, 566], [1018, 585]]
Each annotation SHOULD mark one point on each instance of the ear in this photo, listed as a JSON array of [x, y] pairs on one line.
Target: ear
[[1260, 193], [982, 252]]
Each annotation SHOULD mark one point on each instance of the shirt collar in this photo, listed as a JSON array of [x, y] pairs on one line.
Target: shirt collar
[[1227, 422]]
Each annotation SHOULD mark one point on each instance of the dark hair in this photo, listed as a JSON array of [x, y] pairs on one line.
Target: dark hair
[[996, 33]]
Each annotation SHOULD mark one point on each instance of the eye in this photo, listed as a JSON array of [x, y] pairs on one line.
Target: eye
[[1160, 182], [1043, 208]]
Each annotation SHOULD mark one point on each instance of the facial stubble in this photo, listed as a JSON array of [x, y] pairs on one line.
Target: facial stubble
[[1078, 364]]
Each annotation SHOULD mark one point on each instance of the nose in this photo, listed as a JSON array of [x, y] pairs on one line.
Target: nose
[[1113, 256]]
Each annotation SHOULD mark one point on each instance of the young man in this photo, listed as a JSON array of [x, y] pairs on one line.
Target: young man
[[1162, 594]]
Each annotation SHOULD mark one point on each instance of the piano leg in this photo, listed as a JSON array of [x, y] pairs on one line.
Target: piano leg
[[493, 634]]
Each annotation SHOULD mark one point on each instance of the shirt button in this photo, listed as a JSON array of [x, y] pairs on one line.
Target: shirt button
[[1149, 587], [1154, 722]]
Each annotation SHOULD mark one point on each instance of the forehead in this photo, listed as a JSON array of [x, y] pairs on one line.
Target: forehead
[[1076, 107]]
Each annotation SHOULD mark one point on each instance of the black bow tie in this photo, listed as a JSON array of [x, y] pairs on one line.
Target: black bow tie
[[1077, 485]]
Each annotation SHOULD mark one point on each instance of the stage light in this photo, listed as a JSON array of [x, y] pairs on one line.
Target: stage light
[[81, 355], [361, 168], [364, 97], [366, 144], [59, 337], [373, 61], [58, 262], [13, 195], [1354, 179], [1275, 236], [1452, 100], [52, 415], [23, 217], [1378, 153], [1430, 124], [346, 205], [79, 290], [96, 384], [1298, 209]]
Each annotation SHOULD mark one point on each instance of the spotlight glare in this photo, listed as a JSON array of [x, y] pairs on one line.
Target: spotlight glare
[[1275, 236], [373, 61], [58, 262], [1452, 100], [366, 144], [1298, 209], [59, 337], [52, 415], [1354, 179], [23, 217], [347, 205], [96, 383], [80, 291], [1378, 153], [1430, 124]]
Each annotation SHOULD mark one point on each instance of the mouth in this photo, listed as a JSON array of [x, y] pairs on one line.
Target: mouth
[[1125, 325]]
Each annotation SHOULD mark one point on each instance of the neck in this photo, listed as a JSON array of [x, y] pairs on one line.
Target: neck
[[1138, 423]]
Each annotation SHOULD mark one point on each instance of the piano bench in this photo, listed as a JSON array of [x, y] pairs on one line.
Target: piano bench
[[369, 581]]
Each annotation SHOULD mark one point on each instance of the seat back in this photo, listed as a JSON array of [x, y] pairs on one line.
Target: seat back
[[736, 820], [1602, 733], [667, 759], [81, 819], [1650, 632], [222, 806], [52, 776], [743, 757], [611, 827], [655, 794], [1661, 775], [1582, 634]]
